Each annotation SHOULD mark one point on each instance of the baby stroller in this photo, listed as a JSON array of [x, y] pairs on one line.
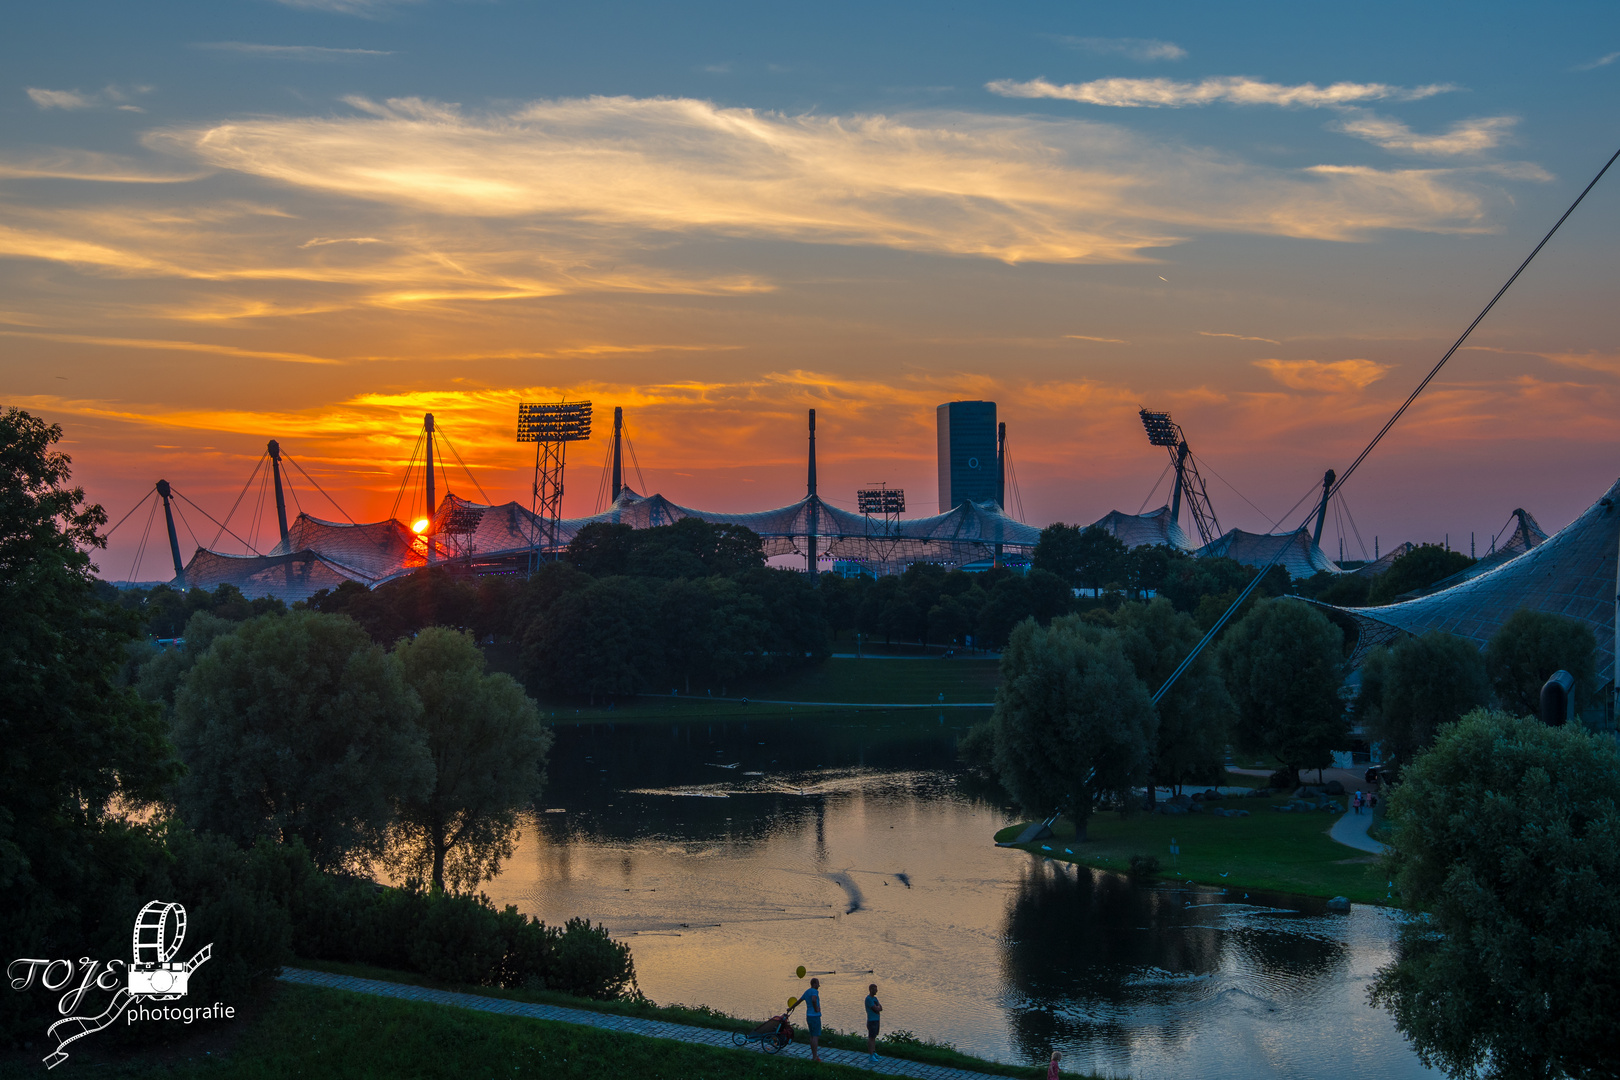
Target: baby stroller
[[772, 1035]]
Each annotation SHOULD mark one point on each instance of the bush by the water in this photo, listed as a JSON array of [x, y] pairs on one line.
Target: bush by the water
[[1144, 866], [455, 938]]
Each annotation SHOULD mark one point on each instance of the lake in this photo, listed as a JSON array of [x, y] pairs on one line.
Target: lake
[[728, 854]]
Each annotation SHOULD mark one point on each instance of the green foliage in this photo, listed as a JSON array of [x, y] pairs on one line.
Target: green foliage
[[1284, 665], [1342, 590], [165, 611], [1195, 715], [624, 635], [483, 606], [1144, 866], [489, 755], [1506, 836], [1073, 723], [454, 938], [1532, 646], [1409, 692], [74, 738], [1089, 558], [159, 678], [1417, 569], [689, 548], [299, 726]]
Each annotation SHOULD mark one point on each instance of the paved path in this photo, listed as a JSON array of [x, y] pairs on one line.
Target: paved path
[[837, 704], [1351, 830], [628, 1025]]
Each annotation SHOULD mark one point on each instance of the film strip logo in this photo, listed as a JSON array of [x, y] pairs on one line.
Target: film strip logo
[[153, 975]]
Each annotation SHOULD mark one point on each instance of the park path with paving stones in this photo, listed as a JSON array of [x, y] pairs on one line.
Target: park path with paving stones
[[627, 1025]]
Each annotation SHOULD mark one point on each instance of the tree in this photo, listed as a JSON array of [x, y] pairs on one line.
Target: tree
[[489, 755], [299, 726], [160, 677], [1506, 836], [1284, 665], [599, 639], [1089, 558], [75, 742], [1417, 569], [602, 548], [1531, 647], [1409, 692], [1194, 715], [1073, 723]]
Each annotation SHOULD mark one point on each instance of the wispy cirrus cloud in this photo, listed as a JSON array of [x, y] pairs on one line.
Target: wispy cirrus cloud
[[1237, 337], [62, 164], [370, 9], [1144, 49], [108, 97], [1324, 375], [1602, 61], [290, 52], [1464, 137], [1009, 188], [1231, 90]]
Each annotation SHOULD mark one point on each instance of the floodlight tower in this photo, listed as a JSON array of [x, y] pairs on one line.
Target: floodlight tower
[[1163, 431], [281, 500], [165, 491], [888, 504], [551, 427]]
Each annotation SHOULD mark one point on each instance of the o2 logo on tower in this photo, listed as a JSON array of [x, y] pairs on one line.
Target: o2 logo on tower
[[152, 975]]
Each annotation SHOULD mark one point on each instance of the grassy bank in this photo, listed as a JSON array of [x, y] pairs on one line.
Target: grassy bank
[[695, 1016], [1266, 851], [839, 684], [310, 1031]]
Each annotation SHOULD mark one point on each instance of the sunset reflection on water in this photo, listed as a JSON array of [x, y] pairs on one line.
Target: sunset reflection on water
[[728, 854]]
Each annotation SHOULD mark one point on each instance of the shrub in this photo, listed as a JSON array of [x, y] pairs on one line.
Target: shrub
[[1144, 866], [588, 963]]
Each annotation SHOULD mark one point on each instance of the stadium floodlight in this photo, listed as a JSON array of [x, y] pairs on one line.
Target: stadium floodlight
[[554, 422], [881, 500], [1161, 430]]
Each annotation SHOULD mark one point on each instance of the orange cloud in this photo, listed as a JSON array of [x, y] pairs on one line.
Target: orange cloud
[[1330, 376]]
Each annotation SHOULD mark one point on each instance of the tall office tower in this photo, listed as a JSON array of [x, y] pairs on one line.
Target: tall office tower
[[967, 453]]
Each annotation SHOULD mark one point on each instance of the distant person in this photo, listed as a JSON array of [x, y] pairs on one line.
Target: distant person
[[812, 1017], [1052, 1069], [1357, 802], [874, 1014]]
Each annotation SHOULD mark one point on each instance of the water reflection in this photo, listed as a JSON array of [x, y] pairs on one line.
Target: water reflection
[[729, 853]]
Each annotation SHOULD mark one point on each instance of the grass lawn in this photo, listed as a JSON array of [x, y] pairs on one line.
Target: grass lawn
[[839, 682], [1266, 851], [700, 1016], [316, 1032]]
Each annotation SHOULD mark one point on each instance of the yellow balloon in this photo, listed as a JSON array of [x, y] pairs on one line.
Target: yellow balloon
[[793, 1002], [800, 971]]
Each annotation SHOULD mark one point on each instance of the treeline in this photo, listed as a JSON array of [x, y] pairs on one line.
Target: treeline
[[249, 775], [1075, 729]]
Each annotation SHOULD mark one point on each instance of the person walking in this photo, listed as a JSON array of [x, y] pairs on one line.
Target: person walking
[[874, 1015], [812, 1017], [1052, 1069], [1357, 802]]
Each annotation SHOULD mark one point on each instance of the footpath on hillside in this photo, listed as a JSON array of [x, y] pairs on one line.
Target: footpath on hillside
[[626, 1025]]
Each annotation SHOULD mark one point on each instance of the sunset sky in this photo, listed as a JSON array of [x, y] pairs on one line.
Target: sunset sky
[[313, 220]]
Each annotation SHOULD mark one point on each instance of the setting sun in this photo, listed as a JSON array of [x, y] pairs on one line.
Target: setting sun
[[420, 526]]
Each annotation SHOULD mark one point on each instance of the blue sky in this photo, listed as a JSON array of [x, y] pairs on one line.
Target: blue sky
[[230, 221]]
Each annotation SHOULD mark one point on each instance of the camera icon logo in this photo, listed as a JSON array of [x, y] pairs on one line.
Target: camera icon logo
[[151, 980]]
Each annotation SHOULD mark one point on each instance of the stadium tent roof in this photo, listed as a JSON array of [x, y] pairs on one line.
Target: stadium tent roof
[[1571, 574], [321, 554], [1301, 557], [289, 578], [1144, 530], [1526, 534], [1384, 561]]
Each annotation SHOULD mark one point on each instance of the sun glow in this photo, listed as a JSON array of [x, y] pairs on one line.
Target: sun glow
[[420, 526]]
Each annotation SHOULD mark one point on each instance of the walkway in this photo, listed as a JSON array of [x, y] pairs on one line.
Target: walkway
[[1351, 830], [627, 1025]]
